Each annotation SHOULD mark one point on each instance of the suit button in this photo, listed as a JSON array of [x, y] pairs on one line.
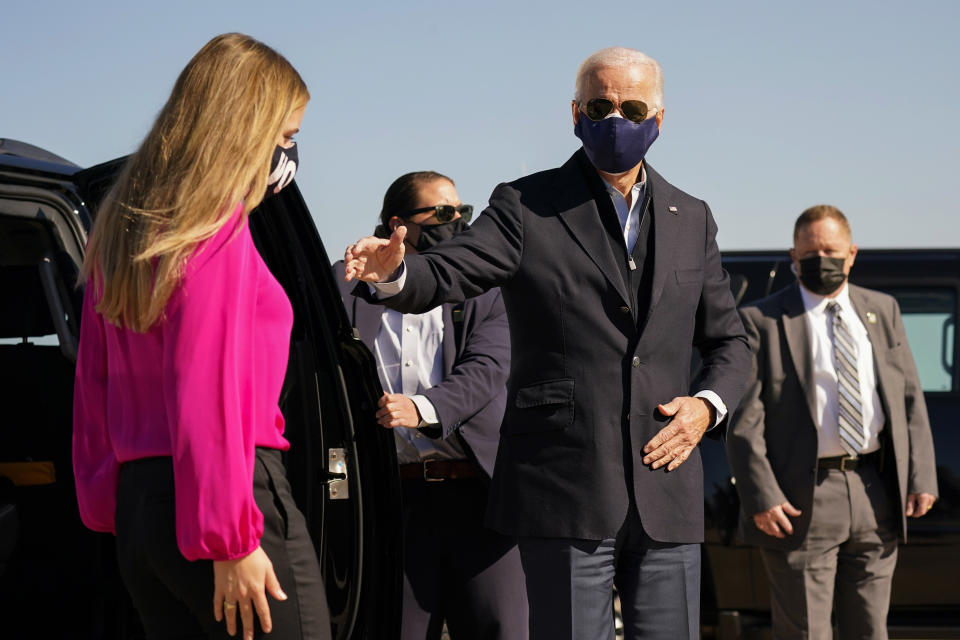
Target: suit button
[[636, 361], [624, 309]]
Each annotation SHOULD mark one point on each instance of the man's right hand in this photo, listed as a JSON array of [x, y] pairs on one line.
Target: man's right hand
[[374, 259], [774, 522]]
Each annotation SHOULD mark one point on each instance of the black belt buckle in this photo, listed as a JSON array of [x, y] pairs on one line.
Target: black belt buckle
[[426, 472]]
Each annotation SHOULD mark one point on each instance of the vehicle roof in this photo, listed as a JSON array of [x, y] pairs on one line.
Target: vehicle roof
[[27, 157]]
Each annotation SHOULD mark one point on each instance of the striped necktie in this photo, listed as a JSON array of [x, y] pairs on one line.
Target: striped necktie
[[850, 414]]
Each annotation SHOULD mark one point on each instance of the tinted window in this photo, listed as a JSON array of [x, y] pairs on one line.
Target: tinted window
[[929, 317]]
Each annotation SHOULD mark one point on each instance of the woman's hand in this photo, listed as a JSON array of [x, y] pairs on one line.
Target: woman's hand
[[243, 584], [374, 259]]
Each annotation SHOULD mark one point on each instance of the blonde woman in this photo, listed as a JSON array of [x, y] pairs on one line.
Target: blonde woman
[[183, 350]]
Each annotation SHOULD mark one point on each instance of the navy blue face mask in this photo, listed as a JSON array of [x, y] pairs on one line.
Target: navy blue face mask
[[615, 145]]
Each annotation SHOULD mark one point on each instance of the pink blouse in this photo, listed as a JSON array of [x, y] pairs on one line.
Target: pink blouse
[[202, 386]]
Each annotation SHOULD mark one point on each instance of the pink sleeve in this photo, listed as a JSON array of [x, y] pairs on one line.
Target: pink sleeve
[[95, 467], [207, 373]]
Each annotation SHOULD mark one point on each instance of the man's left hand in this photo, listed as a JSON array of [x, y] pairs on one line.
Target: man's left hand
[[919, 503], [675, 442], [397, 410]]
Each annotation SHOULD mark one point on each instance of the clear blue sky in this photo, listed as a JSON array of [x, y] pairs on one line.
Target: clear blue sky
[[770, 106]]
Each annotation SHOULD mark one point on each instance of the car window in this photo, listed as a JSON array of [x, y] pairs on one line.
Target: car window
[[46, 341], [929, 318]]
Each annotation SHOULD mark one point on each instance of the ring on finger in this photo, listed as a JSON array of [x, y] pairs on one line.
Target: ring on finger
[[229, 605]]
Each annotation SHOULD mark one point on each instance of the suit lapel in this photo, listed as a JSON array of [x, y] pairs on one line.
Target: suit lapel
[[869, 319], [666, 229], [577, 209], [449, 343], [797, 333]]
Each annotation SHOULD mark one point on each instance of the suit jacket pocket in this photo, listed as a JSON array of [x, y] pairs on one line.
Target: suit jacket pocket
[[544, 406]]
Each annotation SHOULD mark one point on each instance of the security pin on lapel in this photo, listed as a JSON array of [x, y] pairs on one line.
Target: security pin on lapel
[[871, 317]]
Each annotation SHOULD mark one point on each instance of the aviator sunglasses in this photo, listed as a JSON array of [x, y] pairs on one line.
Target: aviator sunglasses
[[632, 110], [444, 212]]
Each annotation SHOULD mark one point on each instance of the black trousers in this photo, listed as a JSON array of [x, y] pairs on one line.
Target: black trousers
[[457, 570], [175, 596]]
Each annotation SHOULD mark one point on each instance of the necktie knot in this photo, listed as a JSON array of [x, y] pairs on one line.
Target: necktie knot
[[833, 308]]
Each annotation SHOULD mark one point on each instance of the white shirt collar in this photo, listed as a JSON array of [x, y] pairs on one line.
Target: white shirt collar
[[817, 304]]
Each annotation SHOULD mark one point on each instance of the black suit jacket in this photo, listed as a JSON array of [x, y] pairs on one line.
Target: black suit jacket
[[586, 376], [773, 438], [476, 361]]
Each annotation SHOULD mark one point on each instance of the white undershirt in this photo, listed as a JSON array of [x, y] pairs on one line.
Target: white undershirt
[[825, 372]]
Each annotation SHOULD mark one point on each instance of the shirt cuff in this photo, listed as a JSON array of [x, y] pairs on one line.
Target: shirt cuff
[[428, 413], [392, 286], [717, 403]]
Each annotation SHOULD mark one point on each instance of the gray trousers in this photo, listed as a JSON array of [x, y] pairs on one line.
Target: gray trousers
[[845, 563], [570, 586]]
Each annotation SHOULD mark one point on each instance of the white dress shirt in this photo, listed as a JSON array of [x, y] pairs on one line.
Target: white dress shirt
[[409, 354], [825, 373]]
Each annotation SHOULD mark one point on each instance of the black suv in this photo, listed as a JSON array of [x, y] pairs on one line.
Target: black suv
[[60, 580], [926, 585]]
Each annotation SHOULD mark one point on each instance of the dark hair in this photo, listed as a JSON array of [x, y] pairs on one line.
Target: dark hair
[[819, 212], [401, 196]]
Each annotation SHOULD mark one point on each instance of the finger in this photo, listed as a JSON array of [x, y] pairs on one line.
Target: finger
[[911, 505], [384, 399], [926, 502], [671, 407], [663, 436], [679, 459], [396, 238], [217, 604], [263, 611], [790, 510], [783, 521], [273, 585], [246, 615], [230, 613], [381, 413]]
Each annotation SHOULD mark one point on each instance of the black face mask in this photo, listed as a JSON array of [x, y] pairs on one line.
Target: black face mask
[[283, 166], [821, 274], [433, 234]]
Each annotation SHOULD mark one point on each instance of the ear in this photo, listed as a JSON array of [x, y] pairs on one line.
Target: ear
[[795, 261], [394, 222], [575, 110], [659, 117], [851, 258]]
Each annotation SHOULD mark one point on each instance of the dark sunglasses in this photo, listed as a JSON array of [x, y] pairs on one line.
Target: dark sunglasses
[[444, 212], [632, 110]]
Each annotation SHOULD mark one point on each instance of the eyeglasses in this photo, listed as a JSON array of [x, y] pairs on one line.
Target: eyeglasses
[[444, 212], [632, 110]]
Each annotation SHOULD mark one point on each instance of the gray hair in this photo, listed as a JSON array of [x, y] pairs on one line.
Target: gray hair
[[618, 58]]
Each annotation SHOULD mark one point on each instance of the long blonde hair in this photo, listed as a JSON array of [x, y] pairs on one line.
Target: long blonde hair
[[209, 149]]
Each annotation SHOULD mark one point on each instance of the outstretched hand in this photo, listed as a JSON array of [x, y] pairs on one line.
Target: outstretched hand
[[374, 259]]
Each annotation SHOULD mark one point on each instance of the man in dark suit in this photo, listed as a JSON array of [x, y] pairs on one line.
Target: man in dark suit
[[831, 447], [445, 374], [610, 276]]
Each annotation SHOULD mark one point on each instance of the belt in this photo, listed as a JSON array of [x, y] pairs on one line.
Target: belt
[[849, 463], [440, 470]]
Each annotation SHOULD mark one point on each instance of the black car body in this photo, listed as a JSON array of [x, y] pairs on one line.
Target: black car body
[[60, 580], [926, 586]]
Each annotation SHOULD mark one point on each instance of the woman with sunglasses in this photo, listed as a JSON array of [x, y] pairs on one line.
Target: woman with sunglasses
[[183, 349], [444, 375]]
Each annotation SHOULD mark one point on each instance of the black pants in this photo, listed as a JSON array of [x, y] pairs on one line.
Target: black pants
[[457, 570], [175, 596]]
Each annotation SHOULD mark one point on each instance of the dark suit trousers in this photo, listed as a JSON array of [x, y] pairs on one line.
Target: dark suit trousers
[[570, 586], [845, 563], [175, 596], [457, 570]]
